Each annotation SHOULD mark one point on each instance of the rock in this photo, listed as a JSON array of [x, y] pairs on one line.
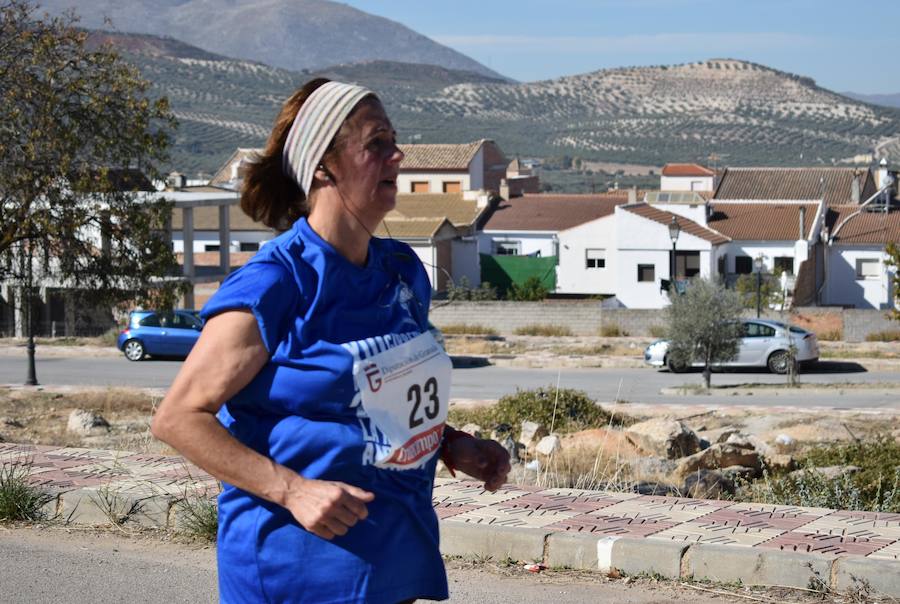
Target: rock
[[739, 473], [653, 488], [828, 472], [500, 432], [548, 445], [740, 440], [718, 456], [2, 440], [704, 444], [86, 422], [666, 438], [11, 422], [785, 443], [473, 429], [512, 447], [652, 467], [707, 484], [724, 433], [780, 462], [531, 433]]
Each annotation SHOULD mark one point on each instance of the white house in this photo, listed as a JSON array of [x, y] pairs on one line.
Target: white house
[[451, 168], [687, 177]]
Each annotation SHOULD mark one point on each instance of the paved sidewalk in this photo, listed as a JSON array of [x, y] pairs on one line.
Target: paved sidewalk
[[673, 537]]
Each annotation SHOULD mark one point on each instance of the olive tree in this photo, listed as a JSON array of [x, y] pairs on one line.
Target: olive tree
[[79, 137], [703, 325]]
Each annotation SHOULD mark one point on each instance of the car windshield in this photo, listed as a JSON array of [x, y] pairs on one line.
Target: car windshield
[[795, 329]]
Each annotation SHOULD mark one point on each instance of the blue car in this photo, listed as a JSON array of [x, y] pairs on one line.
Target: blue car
[[162, 334]]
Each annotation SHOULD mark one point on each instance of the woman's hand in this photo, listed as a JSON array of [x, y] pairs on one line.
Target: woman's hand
[[327, 509], [480, 458]]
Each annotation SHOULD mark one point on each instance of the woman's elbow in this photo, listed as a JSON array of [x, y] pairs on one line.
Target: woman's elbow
[[161, 425]]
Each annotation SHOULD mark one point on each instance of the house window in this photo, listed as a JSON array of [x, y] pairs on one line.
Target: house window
[[452, 187], [867, 268], [646, 273], [784, 264], [420, 186], [247, 246], [507, 248], [211, 247], [743, 265], [595, 258], [687, 264]]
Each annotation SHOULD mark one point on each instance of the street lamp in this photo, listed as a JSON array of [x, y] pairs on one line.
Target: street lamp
[[759, 267], [674, 231]]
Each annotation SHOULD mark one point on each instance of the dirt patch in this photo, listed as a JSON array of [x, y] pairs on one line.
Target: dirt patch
[[40, 417]]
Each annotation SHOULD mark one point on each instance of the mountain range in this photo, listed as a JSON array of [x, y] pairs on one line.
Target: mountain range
[[290, 34]]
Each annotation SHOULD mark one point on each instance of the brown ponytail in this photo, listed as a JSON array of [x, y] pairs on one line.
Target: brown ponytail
[[268, 194]]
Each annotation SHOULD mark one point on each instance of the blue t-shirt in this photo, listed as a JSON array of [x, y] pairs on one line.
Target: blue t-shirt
[[314, 308]]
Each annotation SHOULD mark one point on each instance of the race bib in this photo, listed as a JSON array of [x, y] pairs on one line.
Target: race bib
[[405, 391]]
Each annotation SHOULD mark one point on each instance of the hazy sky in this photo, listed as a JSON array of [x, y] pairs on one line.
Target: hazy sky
[[842, 44]]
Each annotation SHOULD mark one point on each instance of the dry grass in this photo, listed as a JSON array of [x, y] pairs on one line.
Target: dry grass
[[539, 329], [467, 329]]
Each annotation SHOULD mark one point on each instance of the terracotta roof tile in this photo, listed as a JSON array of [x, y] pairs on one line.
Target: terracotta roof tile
[[872, 228], [206, 218], [460, 212], [802, 184], [410, 228], [686, 170], [687, 225], [439, 157], [553, 212], [762, 221]]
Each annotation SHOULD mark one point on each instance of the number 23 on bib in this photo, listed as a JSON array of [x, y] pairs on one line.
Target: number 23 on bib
[[405, 391]]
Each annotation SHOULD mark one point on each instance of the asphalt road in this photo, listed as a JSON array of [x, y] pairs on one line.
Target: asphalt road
[[642, 385], [60, 565]]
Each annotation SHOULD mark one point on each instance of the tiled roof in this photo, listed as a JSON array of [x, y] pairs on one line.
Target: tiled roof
[[460, 212], [439, 157], [864, 228], [782, 184], [687, 225], [762, 221], [686, 170], [206, 218], [223, 174], [553, 212], [410, 228]]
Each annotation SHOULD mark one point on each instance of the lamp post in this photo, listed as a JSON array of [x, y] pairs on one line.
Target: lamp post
[[759, 267], [674, 231]]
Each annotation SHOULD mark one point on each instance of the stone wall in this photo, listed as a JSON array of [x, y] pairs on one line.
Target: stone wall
[[587, 318]]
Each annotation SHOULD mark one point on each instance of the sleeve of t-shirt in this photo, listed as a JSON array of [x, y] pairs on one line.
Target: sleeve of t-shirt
[[266, 289]]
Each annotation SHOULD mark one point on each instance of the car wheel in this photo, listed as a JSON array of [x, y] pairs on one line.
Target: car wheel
[[675, 367], [134, 350], [779, 362]]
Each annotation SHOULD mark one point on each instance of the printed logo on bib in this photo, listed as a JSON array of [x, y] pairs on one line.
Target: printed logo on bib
[[403, 383]]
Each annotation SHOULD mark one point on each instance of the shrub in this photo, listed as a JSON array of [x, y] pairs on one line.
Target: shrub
[[19, 498], [832, 335], [888, 335], [466, 329], [465, 292], [658, 331], [612, 330], [532, 290], [199, 517], [543, 330], [566, 410]]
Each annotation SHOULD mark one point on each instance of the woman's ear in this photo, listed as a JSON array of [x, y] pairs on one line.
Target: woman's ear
[[324, 174]]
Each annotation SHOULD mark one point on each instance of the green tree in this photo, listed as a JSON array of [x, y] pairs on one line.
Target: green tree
[[893, 259], [770, 293], [531, 290], [704, 326], [78, 138]]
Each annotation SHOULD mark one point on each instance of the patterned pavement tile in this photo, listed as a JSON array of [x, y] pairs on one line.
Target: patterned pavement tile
[[472, 493], [834, 545], [611, 525], [697, 532], [446, 510], [756, 519], [891, 552], [887, 517], [511, 517], [785, 511], [663, 509], [845, 525], [561, 503]]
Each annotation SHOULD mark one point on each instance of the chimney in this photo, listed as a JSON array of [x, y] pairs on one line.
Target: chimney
[[632, 195], [504, 188], [802, 221], [854, 189]]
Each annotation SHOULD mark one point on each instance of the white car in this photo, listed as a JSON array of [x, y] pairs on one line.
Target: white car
[[764, 343]]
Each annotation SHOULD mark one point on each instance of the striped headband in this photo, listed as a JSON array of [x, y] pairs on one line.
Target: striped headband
[[316, 124]]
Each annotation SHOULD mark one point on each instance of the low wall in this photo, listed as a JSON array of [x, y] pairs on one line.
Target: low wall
[[587, 318]]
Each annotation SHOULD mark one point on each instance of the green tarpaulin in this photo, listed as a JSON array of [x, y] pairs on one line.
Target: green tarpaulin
[[503, 271]]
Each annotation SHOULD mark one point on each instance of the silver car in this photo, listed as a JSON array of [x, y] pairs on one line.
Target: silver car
[[764, 343]]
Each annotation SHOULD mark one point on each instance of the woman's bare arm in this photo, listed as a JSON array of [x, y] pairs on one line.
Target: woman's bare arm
[[228, 354]]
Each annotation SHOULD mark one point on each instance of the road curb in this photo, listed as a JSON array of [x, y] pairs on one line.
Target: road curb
[[753, 566], [867, 576], [497, 542]]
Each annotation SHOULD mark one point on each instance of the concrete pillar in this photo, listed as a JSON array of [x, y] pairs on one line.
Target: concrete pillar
[[187, 237], [69, 313], [224, 238]]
